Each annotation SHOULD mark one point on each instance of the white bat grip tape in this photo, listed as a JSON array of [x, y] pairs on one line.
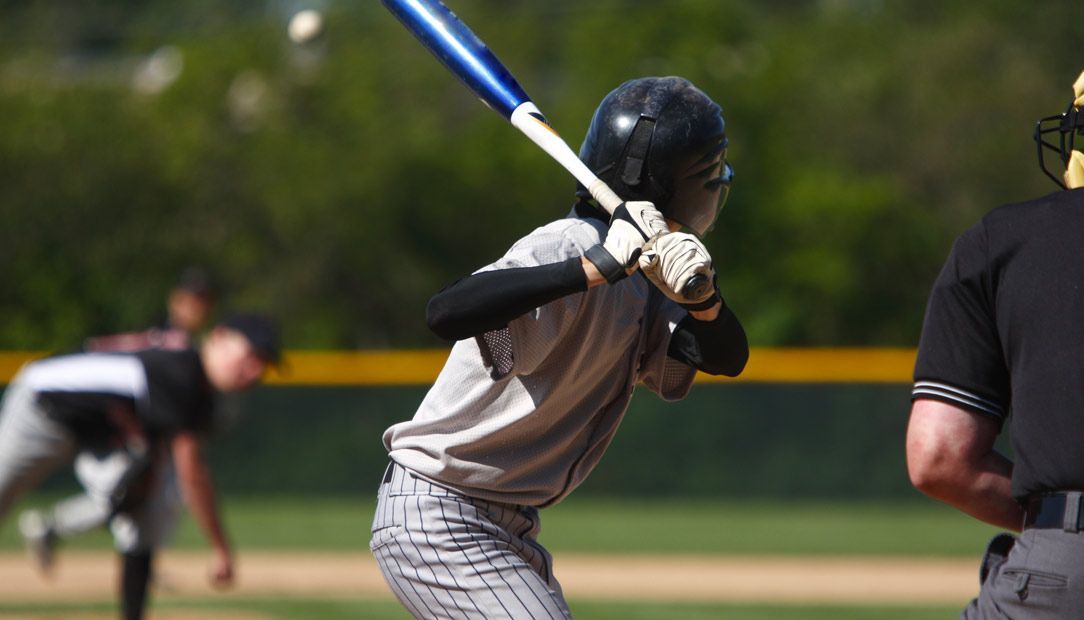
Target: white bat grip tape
[[529, 120], [605, 196]]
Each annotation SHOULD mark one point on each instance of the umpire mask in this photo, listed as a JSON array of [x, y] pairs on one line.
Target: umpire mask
[[1068, 125], [663, 140]]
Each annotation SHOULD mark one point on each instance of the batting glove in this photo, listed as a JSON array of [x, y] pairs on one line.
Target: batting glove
[[633, 224], [670, 261]]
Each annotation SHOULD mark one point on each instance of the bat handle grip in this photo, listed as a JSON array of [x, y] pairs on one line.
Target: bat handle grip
[[697, 287], [604, 195]]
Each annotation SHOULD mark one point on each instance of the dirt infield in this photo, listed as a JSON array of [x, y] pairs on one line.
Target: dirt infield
[[90, 576]]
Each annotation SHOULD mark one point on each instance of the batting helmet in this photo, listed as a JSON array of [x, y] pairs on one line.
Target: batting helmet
[[1067, 124], [663, 140]]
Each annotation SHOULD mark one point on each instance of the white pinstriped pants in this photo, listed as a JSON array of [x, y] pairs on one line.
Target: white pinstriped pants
[[446, 555]]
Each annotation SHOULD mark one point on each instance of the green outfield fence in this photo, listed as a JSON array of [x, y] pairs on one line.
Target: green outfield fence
[[802, 423]]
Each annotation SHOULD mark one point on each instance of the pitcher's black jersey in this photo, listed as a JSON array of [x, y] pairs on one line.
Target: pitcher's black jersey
[[167, 391]]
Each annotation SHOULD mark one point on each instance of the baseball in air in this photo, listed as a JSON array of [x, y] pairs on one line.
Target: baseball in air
[[305, 26]]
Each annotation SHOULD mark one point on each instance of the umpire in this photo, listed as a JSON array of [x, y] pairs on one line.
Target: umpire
[[1004, 332]]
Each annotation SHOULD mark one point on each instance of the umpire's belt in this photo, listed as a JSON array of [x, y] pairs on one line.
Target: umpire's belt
[[1055, 511]]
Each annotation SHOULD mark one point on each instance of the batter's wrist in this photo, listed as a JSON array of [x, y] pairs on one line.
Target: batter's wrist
[[709, 314], [591, 273], [605, 263]]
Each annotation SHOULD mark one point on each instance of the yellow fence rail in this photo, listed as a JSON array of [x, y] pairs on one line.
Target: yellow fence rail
[[420, 367]]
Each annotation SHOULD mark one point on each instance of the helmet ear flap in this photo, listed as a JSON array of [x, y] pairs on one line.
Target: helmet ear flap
[[635, 158]]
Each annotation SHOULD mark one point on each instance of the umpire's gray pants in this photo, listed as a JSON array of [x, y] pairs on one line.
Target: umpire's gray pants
[[446, 555], [1040, 578]]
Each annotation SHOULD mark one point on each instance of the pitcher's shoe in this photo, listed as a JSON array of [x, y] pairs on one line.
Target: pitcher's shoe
[[40, 539]]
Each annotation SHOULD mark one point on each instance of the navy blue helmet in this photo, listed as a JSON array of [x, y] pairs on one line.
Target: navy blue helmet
[[663, 140]]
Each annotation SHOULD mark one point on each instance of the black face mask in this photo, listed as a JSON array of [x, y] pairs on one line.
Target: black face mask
[[1068, 125]]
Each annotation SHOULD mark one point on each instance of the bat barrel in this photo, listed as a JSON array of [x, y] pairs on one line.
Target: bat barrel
[[465, 55]]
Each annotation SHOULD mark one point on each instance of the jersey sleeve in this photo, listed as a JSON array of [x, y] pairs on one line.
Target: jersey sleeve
[[664, 375], [527, 340], [960, 360]]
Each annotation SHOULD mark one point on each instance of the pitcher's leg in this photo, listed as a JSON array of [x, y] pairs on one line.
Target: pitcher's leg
[[31, 445]]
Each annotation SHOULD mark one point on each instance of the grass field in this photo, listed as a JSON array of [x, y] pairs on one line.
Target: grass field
[[619, 526], [578, 526]]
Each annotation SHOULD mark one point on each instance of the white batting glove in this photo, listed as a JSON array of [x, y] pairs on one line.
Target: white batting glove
[[633, 224], [670, 261]]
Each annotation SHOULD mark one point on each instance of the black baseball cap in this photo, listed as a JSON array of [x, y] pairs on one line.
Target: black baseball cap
[[261, 331], [198, 282]]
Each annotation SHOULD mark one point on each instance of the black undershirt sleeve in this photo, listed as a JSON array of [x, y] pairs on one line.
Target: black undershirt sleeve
[[716, 347], [489, 300]]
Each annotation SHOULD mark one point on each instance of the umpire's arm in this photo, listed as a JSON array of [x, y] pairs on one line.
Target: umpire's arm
[[198, 489], [951, 457]]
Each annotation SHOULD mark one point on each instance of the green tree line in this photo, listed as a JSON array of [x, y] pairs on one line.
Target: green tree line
[[342, 182]]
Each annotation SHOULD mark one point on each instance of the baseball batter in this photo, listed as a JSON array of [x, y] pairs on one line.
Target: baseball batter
[[551, 340]]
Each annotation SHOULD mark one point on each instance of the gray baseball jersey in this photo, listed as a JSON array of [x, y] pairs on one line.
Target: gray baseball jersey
[[523, 414]]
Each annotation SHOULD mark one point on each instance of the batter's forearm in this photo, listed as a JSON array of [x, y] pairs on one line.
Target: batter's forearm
[[717, 346], [489, 300]]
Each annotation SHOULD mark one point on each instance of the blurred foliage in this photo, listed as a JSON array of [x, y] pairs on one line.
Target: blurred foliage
[[340, 183]]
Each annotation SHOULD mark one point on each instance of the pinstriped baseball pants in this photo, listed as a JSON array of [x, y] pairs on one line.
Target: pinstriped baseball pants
[[446, 555]]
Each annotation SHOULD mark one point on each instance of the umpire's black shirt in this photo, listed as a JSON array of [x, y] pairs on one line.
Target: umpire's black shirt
[[167, 390], [1004, 332]]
